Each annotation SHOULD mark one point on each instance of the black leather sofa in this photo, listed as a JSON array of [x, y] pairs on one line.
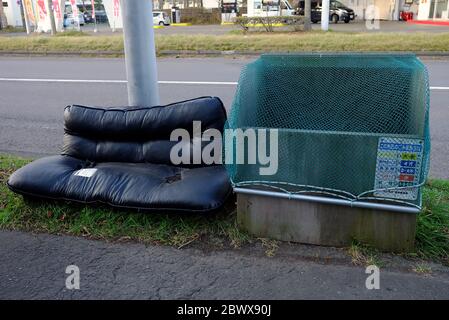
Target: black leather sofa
[[122, 157]]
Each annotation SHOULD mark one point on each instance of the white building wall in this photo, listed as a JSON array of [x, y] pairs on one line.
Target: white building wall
[[423, 11], [388, 9], [425, 8], [12, 13]]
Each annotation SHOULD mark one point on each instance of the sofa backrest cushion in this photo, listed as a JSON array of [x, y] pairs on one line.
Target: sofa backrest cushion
[[135, 134]]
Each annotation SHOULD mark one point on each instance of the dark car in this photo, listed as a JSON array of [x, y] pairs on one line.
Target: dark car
[[88, 16], [337, 11], [101, 16]]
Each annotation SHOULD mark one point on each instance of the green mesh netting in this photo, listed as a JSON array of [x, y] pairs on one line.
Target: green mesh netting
[[349, 125]]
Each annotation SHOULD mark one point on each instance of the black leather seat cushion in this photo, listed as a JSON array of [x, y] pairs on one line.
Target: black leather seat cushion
[[135, 134], [120, 175], [131, 185]]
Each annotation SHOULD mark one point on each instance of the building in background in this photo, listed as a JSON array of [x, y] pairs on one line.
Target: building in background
[[386, 9], [437, 10], [424, 10], [432, 10], [37, 13], [13, 13]]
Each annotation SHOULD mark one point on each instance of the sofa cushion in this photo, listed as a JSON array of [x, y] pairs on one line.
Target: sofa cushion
[[122, 157], [130, 185], [135, 134]]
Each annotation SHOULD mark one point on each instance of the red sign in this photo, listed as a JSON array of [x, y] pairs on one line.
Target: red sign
[[42, 9], [74, 8], [406, 178], [93, 9], [57, 9], [116, 8]]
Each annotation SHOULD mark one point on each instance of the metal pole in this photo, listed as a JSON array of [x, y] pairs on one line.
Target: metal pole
[[396, 11], [3, 21], [331, 201], [307, 15], [140, 53], [325, 15]]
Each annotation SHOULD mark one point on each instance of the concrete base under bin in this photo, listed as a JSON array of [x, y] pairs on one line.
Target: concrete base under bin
[[325, 224]]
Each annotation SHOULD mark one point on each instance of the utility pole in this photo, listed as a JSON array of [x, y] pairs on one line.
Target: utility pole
[[325, 15], [307, 15], [51, 15], [140, 53]]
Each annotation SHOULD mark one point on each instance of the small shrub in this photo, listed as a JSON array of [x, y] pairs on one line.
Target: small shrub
[[268, 23]]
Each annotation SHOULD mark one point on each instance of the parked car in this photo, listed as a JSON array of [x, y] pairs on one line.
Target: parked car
[[101, 16], [337, 11], [87, 16], [161, 18], [70, 20]]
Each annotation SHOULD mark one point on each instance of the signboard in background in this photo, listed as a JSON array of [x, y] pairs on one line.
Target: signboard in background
[[114, 13], [116, 8], [93, 8], [57, 10], [29, 11], [42, 9], [75, 11], [75, 14], [229, 9], [38, 17]]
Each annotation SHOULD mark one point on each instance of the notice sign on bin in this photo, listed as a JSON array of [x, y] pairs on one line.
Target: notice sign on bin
[[398, 166]]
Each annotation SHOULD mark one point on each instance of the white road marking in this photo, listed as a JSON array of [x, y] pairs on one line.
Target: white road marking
[[439, 88], [113, 81], [220, 83]]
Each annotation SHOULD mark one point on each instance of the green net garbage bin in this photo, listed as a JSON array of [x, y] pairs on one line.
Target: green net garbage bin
[[349, 126]]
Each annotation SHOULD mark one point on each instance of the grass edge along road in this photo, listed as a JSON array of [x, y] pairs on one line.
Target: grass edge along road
[[252, 43], [216, 230]]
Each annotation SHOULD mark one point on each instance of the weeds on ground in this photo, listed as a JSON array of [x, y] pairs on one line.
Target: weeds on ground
[[422, 269], [71, 41], [72, 33], [364, 255], [180, 230], [101, 222]]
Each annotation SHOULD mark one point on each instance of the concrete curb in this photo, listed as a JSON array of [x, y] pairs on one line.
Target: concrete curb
[[181, 53]]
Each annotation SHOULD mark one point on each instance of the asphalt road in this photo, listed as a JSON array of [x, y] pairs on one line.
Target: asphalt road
[[31, 111], [34, 267]]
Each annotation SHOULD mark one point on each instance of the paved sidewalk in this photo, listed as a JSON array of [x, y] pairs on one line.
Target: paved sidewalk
[[33, 267]]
